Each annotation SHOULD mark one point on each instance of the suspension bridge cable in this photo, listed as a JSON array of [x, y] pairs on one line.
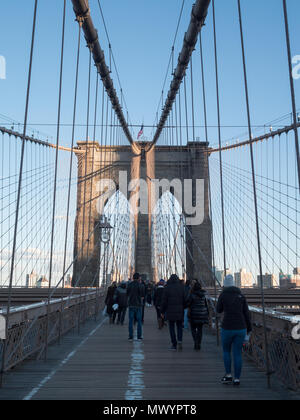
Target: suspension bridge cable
[[91, 36], [71, 157], [292, 87], [83, 207], [219, 134], [198, 16], [19, 192], [255, 199], [171, 59], [55, 174], [113, 58]]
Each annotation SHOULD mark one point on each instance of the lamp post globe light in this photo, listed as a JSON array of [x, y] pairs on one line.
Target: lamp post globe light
[[105, 230], [160, 259], [105, 235]]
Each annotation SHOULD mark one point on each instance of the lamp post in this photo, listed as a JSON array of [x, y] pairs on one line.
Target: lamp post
[[105, 235], [160, 261]]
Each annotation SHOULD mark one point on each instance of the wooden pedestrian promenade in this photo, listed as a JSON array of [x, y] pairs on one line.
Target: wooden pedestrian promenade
[[100, 364]]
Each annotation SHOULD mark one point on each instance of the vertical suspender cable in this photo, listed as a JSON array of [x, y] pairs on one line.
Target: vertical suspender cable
[[295, 122], [55, 177], [192, 97], [255, 200], [86, 154], [93, 155], [70, 172], [85, 182], [209, 178], [18, 195], [203, 86], [219, 135], [186, 111]]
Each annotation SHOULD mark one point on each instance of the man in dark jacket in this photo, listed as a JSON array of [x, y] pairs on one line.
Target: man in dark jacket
[[236, 324], [135, 294], [173, 303], [157, 300], [121, 299], [198, 313]]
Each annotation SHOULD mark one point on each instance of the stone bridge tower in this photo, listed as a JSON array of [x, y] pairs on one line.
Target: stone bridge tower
[[161, 162]]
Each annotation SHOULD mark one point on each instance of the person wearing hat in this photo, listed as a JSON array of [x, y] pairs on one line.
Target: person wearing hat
[[235, 326], [157, 300]]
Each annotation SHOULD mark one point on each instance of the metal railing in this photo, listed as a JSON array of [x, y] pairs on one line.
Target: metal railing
[[284, 349], [28, 324]]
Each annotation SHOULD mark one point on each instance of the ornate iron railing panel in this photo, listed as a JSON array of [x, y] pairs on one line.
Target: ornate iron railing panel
[[284, 350], [28, 325]]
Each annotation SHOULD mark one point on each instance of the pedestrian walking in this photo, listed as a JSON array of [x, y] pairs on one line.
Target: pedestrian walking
[[109, 302], [120, 298], [198, 313], [149, 294], [157, 300], [135, 294], [173, 303], [187, 289], [235, 326]]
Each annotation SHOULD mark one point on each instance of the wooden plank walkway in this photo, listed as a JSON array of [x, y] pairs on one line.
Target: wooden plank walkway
[[100, 364]]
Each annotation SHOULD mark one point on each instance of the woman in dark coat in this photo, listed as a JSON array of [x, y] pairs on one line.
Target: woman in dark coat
[[236, 324], [173, 303], [157, 300], [109, 302], [198, 313], [149, 294]]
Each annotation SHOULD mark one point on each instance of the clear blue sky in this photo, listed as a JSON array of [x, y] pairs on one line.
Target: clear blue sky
[[141, 34]]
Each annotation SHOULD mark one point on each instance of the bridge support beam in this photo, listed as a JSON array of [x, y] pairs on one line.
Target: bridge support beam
[[169, 163], [100, 163], [199, 237]]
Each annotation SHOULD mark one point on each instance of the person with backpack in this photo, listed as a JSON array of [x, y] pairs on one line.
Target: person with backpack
[[157, 300], [135, 294], [120, 299], [235, 326], [173, 304], [198, 313], [187, 288]]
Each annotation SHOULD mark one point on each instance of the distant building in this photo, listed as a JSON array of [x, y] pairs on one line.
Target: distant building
[[286, 281], [296, 277], [243, 279], [42, 282], [31, 279], [68, 281], [220, 275], [269, 281]]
